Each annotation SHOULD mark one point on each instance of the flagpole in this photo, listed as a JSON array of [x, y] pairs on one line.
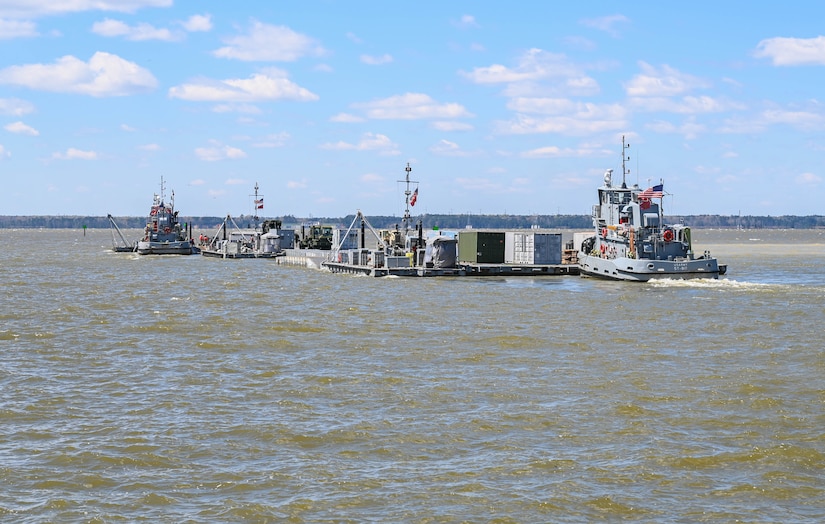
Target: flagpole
[[256, 205], [407, 193]]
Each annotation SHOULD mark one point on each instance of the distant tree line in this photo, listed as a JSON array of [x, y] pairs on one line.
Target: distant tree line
[[429, 221]]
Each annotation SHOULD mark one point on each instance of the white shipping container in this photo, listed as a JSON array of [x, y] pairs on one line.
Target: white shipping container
[[580, 237], [532, 248]]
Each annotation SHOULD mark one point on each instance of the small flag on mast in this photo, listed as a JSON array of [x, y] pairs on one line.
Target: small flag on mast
[[259, 204], [414, 197], [656, 191]]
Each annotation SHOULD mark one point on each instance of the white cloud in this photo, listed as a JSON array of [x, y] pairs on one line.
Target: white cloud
[[38, 8], [606, 23], [274, 85], [371, 179], [685, 105], [235, 182], [274, 140], [137, 33], [808, 118], [16, 29], [792, 51], [689, 130], [217, 151], [368, 142], [808, 179], [21, 129], [346, 118], [198, 23], [272, 43], [297, 184], [534, 64], [560, 115], [149, 147], [563, 106], [411, 106], [76, 154], [447, 148], [665, 81], [579, 42], [467, 22], [451, 126], [566, 152], [799, 119], [537, 71], [103, 75], [566, 125], [376, 60], [15, 107], [248, 109]]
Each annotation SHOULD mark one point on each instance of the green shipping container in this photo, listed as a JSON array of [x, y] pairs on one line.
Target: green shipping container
[[481, 247]]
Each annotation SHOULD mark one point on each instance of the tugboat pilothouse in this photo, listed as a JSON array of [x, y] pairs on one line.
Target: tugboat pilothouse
[[632, 242]]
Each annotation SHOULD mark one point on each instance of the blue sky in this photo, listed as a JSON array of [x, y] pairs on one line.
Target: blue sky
[[498, 107]]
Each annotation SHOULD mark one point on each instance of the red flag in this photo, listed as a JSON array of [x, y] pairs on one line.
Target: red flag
[[414, 197]]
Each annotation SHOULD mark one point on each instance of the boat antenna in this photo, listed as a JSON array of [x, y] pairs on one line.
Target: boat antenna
[[625, 158], [255, 204], [162, 190], [407, 193]]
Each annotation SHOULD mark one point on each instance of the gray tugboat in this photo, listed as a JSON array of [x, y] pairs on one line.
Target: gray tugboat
[[163, 234], [632, 242]]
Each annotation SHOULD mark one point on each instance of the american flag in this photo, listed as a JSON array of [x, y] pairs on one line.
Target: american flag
[[414, 197], [259, 204], [653, 192]]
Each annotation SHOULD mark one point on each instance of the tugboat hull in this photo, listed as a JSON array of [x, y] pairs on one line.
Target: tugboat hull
[[165, 248], [644, 270]]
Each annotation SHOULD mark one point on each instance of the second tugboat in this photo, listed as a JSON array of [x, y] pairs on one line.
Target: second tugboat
[[632, 242], [163, 233]]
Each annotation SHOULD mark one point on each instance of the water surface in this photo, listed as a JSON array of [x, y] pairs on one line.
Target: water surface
[[188, 389]]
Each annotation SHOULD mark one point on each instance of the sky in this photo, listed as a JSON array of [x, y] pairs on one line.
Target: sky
[[498, 108]]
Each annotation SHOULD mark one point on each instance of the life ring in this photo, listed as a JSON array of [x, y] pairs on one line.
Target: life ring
[[167, 230], [604, 232], [154, 211], [667, 236]]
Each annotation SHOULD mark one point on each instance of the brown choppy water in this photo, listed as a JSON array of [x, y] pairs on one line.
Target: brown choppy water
[[186, 389]]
